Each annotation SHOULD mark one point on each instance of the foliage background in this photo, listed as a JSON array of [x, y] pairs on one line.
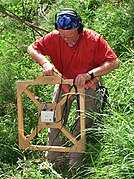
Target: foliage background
[[114, 21]]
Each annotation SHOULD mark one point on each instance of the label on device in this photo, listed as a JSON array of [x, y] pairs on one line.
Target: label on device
[[47, 116]]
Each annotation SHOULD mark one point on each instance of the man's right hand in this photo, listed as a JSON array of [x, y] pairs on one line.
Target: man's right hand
[[48, 69]]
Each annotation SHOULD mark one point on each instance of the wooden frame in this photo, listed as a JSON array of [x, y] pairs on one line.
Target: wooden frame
[[25, 142]]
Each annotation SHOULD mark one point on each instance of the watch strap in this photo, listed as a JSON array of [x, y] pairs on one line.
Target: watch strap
[[92, 75]]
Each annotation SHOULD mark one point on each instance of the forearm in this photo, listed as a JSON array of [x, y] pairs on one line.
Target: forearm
[[37, 56], [105, 68], [47, 67]]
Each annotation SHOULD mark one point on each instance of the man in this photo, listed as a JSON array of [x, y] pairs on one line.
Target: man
[[77, 53]]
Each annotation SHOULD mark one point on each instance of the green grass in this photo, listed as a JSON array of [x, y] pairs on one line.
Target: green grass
[[112, 156]]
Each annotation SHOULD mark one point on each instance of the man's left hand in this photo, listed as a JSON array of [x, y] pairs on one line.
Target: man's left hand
[[81, 79]]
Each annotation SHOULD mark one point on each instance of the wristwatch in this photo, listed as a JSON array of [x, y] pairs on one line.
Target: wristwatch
[[92, 75]]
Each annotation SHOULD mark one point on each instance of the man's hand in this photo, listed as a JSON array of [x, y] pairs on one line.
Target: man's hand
[[48, 69], [81, 79], [105, 68]]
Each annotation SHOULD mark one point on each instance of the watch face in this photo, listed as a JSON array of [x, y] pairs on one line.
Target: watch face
[[92, 75]]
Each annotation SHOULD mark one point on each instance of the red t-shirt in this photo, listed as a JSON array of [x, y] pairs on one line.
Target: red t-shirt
[[89, 52]]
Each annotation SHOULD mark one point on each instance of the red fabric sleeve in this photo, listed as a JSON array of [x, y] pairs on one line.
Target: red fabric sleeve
[[43, 44]]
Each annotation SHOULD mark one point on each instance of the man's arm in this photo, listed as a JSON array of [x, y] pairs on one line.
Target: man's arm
[[104, 69], [39, 58]]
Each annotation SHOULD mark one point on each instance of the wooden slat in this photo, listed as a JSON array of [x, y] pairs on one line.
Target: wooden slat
[[69, 135], [20, 115], [32, 97], [53, 148]]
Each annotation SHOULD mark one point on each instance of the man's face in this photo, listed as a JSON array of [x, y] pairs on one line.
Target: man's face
[[69, 36]]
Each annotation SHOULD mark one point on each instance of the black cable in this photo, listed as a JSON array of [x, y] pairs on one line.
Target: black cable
[[78, 108]]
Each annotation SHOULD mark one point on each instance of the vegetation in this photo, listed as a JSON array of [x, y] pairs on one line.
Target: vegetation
[[21, 22]]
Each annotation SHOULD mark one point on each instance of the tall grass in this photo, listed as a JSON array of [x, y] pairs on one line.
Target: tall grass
[[115, 157], [112, 155]]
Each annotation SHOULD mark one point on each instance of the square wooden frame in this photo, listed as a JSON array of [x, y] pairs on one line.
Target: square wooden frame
[[25, 142]]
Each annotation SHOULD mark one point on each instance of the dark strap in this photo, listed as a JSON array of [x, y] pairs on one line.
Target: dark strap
[[105, 95], [77, 98]]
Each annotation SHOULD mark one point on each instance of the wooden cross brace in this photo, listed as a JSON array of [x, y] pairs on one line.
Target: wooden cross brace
[[78, 145]]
